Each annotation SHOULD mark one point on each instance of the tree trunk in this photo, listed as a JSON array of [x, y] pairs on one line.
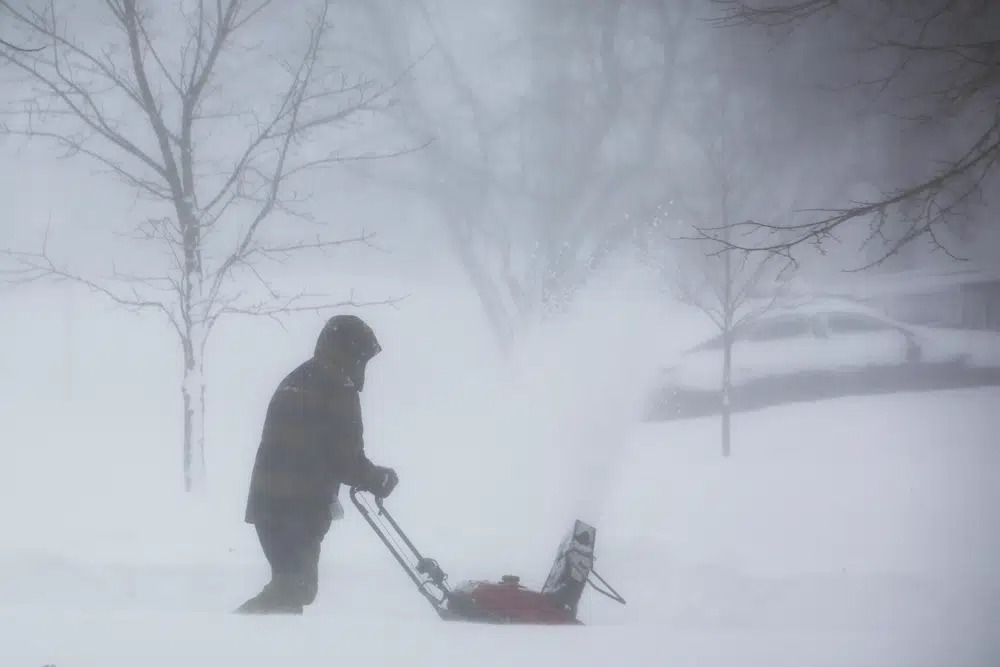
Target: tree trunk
[[194, 333], [729, 307], [68, 358], [490, 298], [729, 317], [727, 357], [193, 393]]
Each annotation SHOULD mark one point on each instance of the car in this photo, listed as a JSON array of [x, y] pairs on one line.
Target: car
[[823, 349]]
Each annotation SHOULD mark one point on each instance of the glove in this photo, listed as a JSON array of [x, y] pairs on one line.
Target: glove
[[383, 481]]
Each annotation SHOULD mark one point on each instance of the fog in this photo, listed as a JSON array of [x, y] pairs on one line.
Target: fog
[[541, 209]]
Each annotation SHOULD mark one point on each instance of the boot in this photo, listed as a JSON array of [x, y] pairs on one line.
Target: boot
[[279, 596]]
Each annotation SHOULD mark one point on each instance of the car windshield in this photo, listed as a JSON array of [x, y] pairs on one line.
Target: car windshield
[[841, 323], [774, 328]]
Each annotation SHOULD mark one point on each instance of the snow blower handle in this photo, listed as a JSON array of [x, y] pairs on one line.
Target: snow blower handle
[[425, 566], [390, 533]]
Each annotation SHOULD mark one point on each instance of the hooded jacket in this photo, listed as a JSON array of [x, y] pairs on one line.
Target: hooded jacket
[[312, 442]]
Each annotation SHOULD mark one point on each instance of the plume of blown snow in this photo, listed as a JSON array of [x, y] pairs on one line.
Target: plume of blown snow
[[575, 390]]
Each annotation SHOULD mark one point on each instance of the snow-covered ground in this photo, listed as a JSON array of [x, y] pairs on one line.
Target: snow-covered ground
[[854, 532]]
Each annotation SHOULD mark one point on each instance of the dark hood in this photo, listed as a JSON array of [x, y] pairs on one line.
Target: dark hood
[[347, 344]]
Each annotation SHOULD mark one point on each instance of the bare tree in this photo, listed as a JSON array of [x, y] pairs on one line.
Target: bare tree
[[13, 272], [732, 290], [932, 64], [732, 165], [215, 153], [533, 186]]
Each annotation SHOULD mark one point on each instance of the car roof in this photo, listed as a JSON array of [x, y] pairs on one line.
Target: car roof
[[811, 307], [827, 306]]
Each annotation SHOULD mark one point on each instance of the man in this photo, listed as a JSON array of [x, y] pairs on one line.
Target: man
[[312, 443]]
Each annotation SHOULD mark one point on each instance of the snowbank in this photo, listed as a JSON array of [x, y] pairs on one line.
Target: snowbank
[[850, 532]]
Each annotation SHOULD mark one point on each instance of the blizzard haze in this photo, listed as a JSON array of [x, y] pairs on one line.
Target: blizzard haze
[[511, 204]]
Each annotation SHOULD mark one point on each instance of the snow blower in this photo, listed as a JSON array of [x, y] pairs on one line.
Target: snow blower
[[505, 601]]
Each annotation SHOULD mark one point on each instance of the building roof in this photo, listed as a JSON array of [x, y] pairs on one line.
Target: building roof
[[864, 285]]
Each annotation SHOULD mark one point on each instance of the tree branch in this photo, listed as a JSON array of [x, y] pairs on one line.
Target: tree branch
[[19, 48], [738, 12], [938, 199], [942, 60], [38, 267], [275, 308]]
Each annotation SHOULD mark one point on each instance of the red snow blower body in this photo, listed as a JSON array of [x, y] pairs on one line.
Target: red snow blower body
[[503, 601]]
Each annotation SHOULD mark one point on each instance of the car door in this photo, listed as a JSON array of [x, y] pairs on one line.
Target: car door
[[776, 346]]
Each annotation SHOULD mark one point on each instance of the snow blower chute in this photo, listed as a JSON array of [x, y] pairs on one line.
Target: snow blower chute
[[503, 601]]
